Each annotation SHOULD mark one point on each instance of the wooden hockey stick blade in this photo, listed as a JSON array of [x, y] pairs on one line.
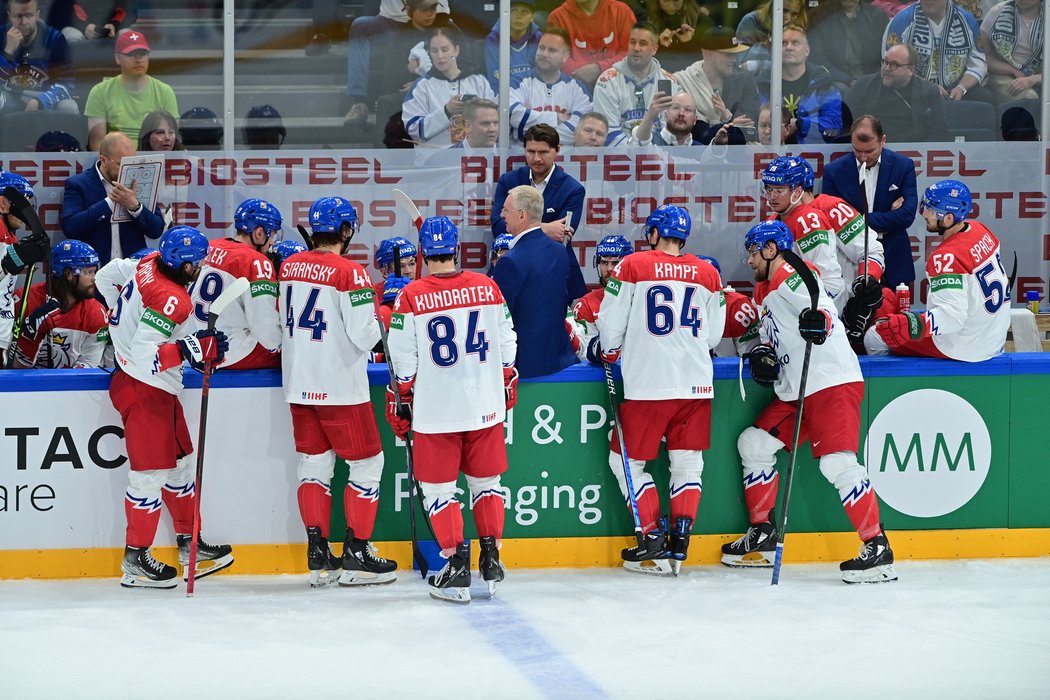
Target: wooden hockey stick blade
[[307, 241], [410, 208], [234, 291], [24, 210]]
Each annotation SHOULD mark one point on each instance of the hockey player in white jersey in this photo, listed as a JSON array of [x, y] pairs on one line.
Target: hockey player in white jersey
[[15, 256], [112, 276], [581, 320], [663, 308], [251, 322], [152, 333], [546, 95], [831, 419], [453, 349], [330, 328], [967, 311]]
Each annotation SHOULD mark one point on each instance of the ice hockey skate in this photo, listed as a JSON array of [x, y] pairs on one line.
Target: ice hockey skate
[[652, 556], [678, 542], [492, 569], [362, 566], [141, 570], [211, 558], [755, 549], [452, 583], [874, 563], [323, 564]]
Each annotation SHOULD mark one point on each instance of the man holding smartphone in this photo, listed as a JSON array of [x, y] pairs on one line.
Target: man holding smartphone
[[722, 93]]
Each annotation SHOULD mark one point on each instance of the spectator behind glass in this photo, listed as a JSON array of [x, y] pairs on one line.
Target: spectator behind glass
[[481, 121], [600, 31], [120, 103], [159, 132], [1015, 65], [35, 68], [722, 91], [846, 38], [200, 130], [809, 93], [57, 142], [264, 128], [433, 108], [546, 95], [756, 29], [592, 131], [91, 19], [765, 125], [524, 38], [679, 24]]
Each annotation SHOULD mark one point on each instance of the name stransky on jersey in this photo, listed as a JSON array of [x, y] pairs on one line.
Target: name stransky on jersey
[[316, 272]]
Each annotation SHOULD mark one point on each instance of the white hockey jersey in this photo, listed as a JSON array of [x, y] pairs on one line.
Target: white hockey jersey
[[423, 111], [816, 243], [250, 320], [847, 224], [7, 291], [453, 334], [76, 338], [151, 312], [624, 101], [968, 305], [533, 101], [112, 277], [666, 313], [330, 326], [780, 301]]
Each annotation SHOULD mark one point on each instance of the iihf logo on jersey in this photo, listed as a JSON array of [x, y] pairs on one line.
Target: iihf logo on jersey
[[315, 395], [488, 418]]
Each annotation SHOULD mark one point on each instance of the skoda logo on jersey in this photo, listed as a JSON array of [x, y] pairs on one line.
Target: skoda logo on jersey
[[928, 453]]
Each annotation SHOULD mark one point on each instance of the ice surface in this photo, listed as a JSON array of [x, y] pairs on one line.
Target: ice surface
[[947, 629]]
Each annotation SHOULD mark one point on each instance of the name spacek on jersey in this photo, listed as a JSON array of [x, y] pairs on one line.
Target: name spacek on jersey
[[330, 327], [77, 338], [250, 320], [453, 334], [666, 312], [780, 302]]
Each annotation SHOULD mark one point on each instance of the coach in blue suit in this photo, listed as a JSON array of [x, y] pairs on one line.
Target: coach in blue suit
[[533, 277], [562, 196], [895, 198], [91, 196]]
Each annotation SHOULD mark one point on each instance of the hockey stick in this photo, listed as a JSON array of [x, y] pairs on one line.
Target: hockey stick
[[410, 208], [16, 330], [631, 499], [864, 198], [811, 284], [231, 293], [23, 209], [307, 241]]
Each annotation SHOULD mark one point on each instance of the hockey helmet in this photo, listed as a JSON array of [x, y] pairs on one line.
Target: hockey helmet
[[253, 213], [948, 197], [438, 236], [809, 177], [72, 255], [391, 286], [285, 249], [183, 244], [670, 222], [328, 214], [712, 261], [139, 254], [786, 170], [612, 247], [385, 252], [502, 242], [9, 179], [766, 231]]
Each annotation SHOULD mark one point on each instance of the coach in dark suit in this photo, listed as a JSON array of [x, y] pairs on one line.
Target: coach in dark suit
[[91, 197], [890, 190], [562, 197], [533, 276]]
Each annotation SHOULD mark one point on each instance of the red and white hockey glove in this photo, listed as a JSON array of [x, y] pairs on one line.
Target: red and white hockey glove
[[203, 346], [401, 423], [610, 356], [814, 325], [900, 329], [574, 338], [510, 386]]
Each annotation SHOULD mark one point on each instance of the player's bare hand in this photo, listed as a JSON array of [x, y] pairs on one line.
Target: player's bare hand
[[125, 196]]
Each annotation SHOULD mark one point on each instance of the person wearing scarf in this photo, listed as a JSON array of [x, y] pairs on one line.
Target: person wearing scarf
[[1013, 31]]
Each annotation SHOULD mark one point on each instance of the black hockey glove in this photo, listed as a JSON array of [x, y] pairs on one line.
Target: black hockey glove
[[26, 252], [868, 294], [856, 318], [814, 325], [764, 365], [38, 319]]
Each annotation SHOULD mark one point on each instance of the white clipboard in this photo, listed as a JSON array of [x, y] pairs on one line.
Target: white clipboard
[[148, 172]]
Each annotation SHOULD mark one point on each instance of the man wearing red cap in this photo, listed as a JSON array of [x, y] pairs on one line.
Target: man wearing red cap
[[122, 102]]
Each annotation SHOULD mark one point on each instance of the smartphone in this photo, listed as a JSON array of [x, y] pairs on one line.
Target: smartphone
[[664, 86], [750, 133], [467, 98]]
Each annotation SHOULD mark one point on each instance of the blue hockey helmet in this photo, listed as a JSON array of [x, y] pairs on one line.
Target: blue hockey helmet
[[786, 170], [612, 247], [392, 285], [670, 222], [948, 197], [253, 213], [502, 242], [809, 178], [385, 251], [285, 249], [712, 261], [328, 214], [766, 231], [72, 255], [139, 254], [8, 179], [438, 236], [183, 244]]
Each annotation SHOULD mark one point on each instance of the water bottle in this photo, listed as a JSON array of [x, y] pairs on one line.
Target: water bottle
[[1032, 301], [903, 298]]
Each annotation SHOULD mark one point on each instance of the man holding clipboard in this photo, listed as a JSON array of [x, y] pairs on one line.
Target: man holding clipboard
[[96, 201]]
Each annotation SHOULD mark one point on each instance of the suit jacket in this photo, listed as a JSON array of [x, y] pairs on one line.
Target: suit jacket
[[86, 217], [562, 195], [533, 276], [842, 179]]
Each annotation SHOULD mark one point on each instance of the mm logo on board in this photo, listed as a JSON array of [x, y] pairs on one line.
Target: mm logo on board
[[928, 453]]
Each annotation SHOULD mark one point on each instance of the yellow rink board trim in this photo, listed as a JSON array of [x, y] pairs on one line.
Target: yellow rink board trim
[[564, 552]]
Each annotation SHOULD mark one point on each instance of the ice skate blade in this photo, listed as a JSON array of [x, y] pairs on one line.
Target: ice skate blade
[[491, 583], [751, 560], [323, 578], [352, 578], [128, 581], [651, 567], [460, 596], [880, 574], [676, 567], [207, 568]]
